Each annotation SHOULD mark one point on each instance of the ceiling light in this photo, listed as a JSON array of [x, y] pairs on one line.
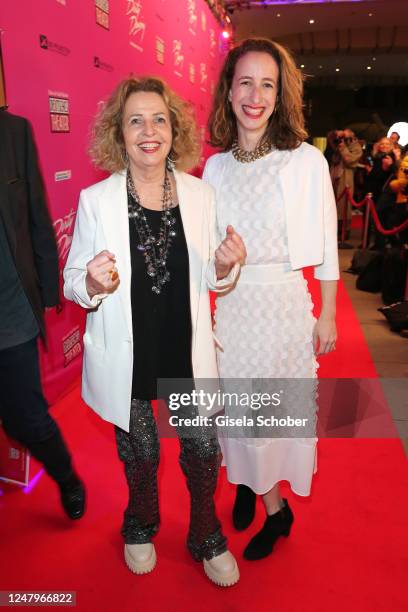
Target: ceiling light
[[370, 14], [374, 59], [337, 69], [311, 20], [278, 14], [368, 67], [320, 66], [302, 65]]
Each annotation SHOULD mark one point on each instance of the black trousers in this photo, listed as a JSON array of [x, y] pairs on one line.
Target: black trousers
[[200, 458], [24, 409]]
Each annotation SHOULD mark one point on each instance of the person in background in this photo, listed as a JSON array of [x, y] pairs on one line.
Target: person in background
[[142, 260], [395, 138], [382, 168], [398, 213], [346, 155], [29, 283]]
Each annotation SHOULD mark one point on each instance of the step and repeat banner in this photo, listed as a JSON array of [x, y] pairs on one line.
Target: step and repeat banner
[[61, 58]]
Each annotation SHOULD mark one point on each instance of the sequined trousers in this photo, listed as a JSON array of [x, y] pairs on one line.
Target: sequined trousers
[[200, 459]]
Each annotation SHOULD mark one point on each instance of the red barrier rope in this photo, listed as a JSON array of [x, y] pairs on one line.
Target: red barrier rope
[[368, 200], [346, 191], [378, 225]]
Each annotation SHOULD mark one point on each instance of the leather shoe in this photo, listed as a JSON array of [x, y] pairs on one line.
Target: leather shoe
[[222, 569], [276, 525], [73, 497], [140, 558], [244, 507]]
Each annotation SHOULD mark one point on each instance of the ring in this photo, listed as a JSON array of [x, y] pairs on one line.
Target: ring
[[114, 275]]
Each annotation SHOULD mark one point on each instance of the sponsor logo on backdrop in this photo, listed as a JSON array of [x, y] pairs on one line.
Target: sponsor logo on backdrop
[[178, 57], [213, 42], [203, 77], [137, 27], [63, 2], [192, 16], [49, 45], [98, 63], [191, 73], [203, 21], [202, 136], [102, 13], [59, 111], [159, 50], [71, 345], [64, 229], [62, 175]]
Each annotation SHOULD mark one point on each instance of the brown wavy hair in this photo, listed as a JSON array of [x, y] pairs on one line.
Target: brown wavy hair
[[286, 129], [107, 148]]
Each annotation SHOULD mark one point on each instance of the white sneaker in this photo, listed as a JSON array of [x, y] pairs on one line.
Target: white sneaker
[[223, 569], [140, 558]]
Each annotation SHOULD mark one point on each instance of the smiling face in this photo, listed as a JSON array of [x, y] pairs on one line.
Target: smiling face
[[253, 93], [385, 145], [146, 129]]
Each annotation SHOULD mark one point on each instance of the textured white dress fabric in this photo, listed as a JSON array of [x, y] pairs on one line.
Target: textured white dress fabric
[[265, 322]]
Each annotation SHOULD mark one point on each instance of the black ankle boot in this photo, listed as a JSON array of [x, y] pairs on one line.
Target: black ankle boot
[[73, 497], [278, 524], [244, 507]]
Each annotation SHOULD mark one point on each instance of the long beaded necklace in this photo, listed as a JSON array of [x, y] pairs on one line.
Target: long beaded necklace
[[246, 157], [154, 250]]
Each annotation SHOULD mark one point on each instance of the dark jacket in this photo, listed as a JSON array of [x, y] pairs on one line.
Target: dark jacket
[[377, 178], [25, 215]]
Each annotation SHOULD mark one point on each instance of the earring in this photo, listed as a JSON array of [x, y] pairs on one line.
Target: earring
[[170, 163], [125, 157]]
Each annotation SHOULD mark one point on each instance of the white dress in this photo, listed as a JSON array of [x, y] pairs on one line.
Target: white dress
[[265, 323]]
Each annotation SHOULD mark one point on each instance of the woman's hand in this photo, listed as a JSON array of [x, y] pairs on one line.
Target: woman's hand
[[102, 276], [324, 335], [230, 251], [387, 162]]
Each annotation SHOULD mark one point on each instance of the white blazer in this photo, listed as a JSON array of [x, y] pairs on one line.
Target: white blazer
[[102, 223], [310, 208]]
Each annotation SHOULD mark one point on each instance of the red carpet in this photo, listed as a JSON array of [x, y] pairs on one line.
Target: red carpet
[[347, 549]]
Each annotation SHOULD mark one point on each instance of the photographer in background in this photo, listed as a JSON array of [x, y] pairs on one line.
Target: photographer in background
[[346, 153]]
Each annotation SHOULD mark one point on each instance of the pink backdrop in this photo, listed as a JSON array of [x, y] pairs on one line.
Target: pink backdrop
[[59, 62]]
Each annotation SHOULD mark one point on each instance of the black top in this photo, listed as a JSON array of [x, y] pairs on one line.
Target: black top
[[161, 323], [17, 320], [376, 179]]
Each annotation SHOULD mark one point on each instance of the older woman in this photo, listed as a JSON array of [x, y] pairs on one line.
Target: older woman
[[142, 250], [383, 167], [276, 191]]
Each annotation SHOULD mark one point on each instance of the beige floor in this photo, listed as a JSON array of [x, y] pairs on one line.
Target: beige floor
[[389, 350]]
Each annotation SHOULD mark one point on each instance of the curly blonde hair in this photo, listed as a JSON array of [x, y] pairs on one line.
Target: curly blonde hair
[[107, 148], [286, 129]]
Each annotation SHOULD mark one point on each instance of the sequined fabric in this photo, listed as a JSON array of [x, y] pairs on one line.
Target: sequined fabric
[[199, 459]]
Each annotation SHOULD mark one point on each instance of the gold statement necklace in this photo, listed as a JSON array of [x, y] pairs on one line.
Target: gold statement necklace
[[245, 157]]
